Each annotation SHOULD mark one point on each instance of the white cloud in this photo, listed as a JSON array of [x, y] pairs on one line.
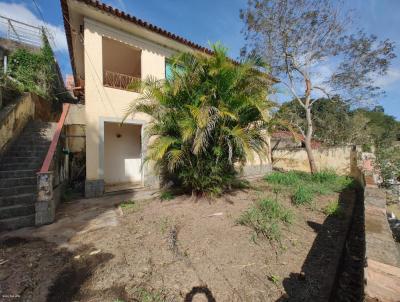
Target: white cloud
[[21, 12], [392, 76]]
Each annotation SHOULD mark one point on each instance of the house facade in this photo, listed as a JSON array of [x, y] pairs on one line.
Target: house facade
[[109, 49]]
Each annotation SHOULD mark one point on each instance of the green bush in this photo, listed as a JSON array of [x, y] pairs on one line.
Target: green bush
[[303, 195], [334, 209], [209, 118], [166, 195], [265, 218], [304, 185]]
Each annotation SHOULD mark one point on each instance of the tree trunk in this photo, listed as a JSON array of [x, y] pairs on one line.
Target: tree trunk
[[308, 140]]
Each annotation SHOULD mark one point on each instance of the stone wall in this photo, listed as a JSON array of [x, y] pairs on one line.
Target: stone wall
[[339, 159], [13, 119], [382, 267]]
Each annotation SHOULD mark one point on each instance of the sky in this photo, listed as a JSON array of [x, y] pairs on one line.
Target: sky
[[208, 21]]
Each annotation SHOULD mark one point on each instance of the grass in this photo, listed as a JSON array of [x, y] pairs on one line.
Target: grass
[[166, 195], [129, 206], [265, 218], [305, 186], [145, 295], [303, 195], [334, 209]]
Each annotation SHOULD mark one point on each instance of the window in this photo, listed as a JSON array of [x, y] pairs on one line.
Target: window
[[169, 69]]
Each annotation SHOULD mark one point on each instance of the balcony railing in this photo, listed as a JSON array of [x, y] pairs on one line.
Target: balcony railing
[[119, 80]]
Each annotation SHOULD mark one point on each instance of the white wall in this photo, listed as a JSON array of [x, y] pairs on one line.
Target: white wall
[[122, 153]]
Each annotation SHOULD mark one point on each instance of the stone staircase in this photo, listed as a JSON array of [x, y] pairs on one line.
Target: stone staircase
[[18, 168]]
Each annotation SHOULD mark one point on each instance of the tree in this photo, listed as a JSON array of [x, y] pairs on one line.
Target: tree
[[312, 54], [209, 117]]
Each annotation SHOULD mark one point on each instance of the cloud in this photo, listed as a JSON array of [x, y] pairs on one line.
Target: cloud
[[392, 76], [21, 12]]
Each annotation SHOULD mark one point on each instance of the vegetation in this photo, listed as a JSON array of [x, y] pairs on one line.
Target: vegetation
[[265, 218], [298, 37], [209, 118], [35, 71], [304, 186], [334, 209], [145, 295], [388, 162], [303, 195], [166, 195]]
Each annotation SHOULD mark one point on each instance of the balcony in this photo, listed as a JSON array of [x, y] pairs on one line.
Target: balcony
[[121, 64], [119, 80]]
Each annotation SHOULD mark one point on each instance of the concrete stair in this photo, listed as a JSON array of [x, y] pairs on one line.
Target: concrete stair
[[18, 168]]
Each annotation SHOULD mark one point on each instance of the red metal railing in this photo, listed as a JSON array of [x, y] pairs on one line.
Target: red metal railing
[[53, 146], [118, 80]]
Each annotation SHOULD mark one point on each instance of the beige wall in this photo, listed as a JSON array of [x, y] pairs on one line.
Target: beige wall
[[121, 58], [122, 153], [336, 158], [108, 104], [13, 119]]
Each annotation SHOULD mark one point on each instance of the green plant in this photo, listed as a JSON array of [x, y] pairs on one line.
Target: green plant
[[290, 178], [129, 205], [303, 195], [265, 218], [209, 119], [146, 295], [166, 195], [333, 209], [274, 279]]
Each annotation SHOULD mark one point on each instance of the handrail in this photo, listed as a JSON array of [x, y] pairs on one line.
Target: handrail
[[54, 141], [118, 80]]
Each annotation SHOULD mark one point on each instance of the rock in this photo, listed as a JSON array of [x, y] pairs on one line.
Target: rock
[[4, 274]]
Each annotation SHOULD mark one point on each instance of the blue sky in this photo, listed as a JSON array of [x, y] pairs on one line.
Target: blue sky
[[218, 20]]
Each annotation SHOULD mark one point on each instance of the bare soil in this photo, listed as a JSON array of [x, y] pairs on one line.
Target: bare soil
[[177, 250]]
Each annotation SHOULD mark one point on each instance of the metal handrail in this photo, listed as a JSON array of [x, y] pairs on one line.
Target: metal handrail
[[54, 142], [118, 80]]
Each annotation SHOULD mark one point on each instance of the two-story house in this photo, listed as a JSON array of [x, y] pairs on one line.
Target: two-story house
[[108, 50]]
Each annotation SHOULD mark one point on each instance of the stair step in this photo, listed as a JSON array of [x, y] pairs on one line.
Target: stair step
[[17, 222], [17, 190], [27, 147], [20, 199], [27, 153], [17, 211], [20, 166], [19, 159], [18, 173], [17, 181]]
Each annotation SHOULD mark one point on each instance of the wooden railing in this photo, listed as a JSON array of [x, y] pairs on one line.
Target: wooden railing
[[53, 146], [119, 80]]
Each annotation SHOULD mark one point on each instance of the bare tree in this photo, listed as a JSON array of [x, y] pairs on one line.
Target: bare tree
[[311, 52]]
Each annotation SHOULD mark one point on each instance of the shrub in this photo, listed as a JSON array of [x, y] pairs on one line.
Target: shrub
[[166, 195], [303, 195], [208, 117], [265, 218], [334, 209]]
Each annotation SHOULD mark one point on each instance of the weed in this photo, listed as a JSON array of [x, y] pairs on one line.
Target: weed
[[164, 225], [334, 209], [166, 195], [129, 206], [146, 295], [265, 218], [303, 195], [289, 178], [274, 279]]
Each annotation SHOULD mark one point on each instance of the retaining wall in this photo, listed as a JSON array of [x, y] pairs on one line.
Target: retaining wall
[[382, 269], [335, 158]]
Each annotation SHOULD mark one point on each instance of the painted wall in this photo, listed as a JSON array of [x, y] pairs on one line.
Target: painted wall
[[122, 153], [109, 104], [336, 158], [13, 119]]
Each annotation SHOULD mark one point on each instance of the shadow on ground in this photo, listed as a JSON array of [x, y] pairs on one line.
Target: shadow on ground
[[317, 280]]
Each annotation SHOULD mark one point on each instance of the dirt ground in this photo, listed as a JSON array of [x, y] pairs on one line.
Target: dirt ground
[[175, 250]]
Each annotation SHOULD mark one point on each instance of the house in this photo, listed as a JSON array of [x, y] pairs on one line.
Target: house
[[108, 50]]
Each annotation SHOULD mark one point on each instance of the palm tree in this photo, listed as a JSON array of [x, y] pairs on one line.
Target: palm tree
[[208, 119]]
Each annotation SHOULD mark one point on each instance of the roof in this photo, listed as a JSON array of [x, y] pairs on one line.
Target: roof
[[120, 14]]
